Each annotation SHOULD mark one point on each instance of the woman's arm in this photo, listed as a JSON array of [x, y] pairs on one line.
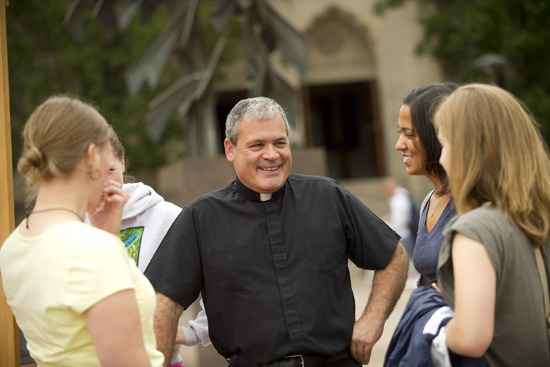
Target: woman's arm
[[470, 332], [115, 327]]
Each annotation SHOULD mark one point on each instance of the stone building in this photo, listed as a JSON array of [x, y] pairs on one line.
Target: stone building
[[360, 66]]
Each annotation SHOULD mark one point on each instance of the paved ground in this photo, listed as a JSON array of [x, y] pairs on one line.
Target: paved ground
[[361, 282]]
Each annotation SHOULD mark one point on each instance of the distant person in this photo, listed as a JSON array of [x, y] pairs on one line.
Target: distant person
[[76, 295], [146, 218], [401, 213], [269, 253], [420, 149], [499, 176]]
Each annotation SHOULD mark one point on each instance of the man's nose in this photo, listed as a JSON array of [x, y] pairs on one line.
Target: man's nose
[[270, 153]]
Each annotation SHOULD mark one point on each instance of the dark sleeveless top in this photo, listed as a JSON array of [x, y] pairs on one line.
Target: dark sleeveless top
[[426, 251]]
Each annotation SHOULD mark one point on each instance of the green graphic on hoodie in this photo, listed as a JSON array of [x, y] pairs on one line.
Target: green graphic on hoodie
[[131, 237]]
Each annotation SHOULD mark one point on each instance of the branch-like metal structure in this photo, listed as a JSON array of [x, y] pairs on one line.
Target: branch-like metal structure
[[193, 95]]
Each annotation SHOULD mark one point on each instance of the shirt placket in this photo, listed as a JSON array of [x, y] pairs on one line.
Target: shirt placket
[[283, 277]]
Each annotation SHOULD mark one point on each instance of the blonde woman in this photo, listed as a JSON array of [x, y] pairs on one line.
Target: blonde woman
[[75, 293], [499, 177]]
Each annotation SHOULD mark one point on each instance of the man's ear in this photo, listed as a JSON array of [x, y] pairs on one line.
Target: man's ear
[[229, 148]]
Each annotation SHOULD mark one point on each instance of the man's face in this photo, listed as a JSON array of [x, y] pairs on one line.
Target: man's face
[[261, 156]]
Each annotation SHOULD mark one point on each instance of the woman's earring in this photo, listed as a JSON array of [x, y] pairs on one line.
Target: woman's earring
[[92, 171]]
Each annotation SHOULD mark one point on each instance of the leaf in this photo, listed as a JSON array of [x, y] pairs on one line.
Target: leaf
[[223, 12], [105, 15], [162, 106], [292, 43], [125, 11], [74, 19]]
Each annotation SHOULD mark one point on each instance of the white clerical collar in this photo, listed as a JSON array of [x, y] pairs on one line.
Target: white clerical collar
[[265, 197]]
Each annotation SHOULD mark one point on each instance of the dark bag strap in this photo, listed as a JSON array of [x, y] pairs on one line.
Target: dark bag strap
[[544, 281]]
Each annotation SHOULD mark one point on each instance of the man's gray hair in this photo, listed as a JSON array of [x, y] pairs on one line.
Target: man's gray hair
[[257, 109]]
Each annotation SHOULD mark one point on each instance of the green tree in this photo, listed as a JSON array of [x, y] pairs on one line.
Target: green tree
[[457, 32], [44, 59]]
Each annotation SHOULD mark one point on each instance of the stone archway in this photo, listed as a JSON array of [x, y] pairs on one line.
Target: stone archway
[[339, 49], [341, 96]]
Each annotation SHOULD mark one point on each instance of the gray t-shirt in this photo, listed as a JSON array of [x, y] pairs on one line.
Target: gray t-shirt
[[521, 334]]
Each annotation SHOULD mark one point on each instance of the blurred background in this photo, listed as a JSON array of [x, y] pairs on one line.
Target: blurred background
[[165, 74]]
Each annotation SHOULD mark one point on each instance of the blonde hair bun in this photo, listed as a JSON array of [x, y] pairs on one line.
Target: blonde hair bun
[[32, 160], [56, 137]]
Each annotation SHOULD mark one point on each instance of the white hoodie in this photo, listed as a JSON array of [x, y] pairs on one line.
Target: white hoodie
[[146, 218]]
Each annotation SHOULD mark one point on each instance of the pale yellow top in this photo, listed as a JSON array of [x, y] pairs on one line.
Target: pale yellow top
[[50, 280]]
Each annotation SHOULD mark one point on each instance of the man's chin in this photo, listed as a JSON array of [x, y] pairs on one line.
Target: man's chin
[[269, 188]]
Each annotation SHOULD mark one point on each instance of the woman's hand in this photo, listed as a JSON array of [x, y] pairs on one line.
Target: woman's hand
[[108, 214]]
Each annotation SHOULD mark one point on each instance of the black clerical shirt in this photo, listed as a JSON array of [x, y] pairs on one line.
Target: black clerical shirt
[[273, 275]]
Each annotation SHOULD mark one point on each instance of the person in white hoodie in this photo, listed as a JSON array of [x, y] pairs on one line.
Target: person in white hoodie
[[146, 218]]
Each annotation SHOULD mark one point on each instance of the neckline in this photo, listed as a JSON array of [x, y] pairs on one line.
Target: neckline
[[51, 210], [252, 195], [46, 232], [427, 211]]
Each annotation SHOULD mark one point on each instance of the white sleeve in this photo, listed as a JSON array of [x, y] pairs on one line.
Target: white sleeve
[[439, 351], [176, 358], [197, 332]]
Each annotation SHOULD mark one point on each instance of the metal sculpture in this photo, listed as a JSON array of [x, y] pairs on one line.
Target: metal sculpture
[[193, 95]]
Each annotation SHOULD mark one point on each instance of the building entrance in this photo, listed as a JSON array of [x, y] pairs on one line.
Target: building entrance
[[344, 119]]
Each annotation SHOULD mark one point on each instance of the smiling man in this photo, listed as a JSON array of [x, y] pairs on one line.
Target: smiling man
[[261, 156], [269, 254]]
